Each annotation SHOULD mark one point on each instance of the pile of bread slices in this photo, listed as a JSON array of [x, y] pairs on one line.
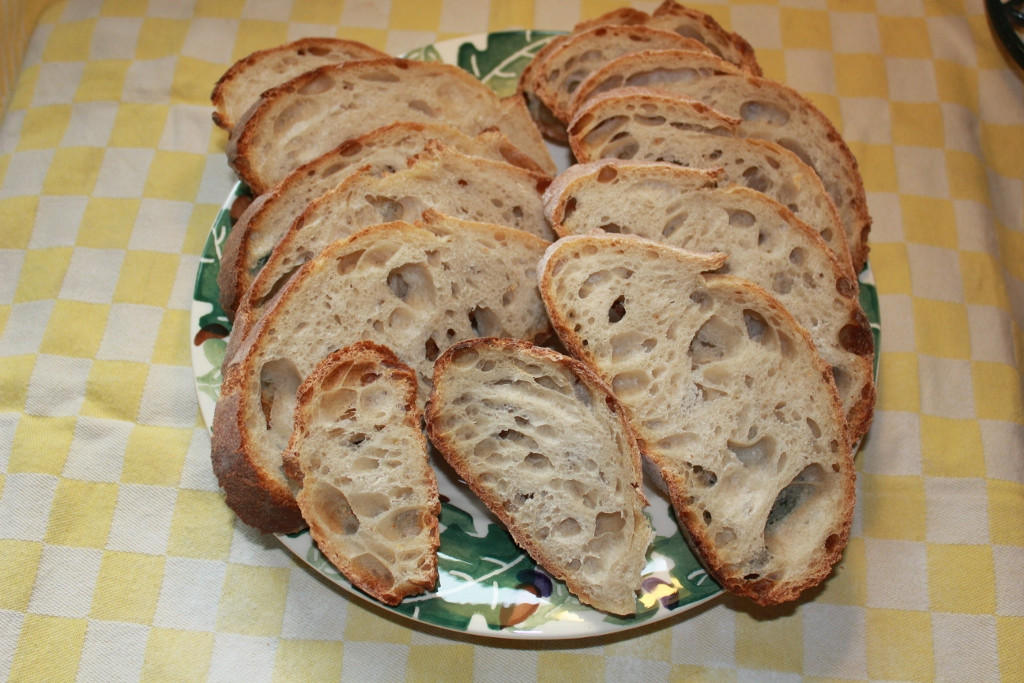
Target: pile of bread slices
[[681, 304]]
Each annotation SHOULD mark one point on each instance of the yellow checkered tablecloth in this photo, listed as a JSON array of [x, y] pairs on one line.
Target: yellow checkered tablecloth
[[118, 557]]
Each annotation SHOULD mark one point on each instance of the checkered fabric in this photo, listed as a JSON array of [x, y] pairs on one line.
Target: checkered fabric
[[118, 557]]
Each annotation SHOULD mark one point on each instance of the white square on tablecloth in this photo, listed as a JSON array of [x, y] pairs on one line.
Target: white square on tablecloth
[[65, 581], [866, 119], [367, 13], [10, 630], [28, 181], [935, 273], [698, 638], [161, 225], [115, 38], [894, 574], [243, 658], [142, 519], [25, 506], [92, 275], [855, 33], [183, 289], [97, 450], [172, 9], [759, 24], [187, 129], [965, 647], [959, 128], [946, 387], [957, 511], [922, 171], [1009, 564], [312, 610], [90, 124], [974, 226], [169, 397], [893, 444], [998, 90], [835, 641], [150, 81], [911, 80], [210, 39], [123, 172], [83, 9], [57, 83], [57, 221], [465, 18], [130, 333], [618, 668], [887, 217], [113, 651], [1003, 443], [991, 334], [197, 472], [267, 10], [500, 665], [217, 181], [250, 547], [952, 40], [10, 131], [1007, 201], [368, 661], [897, 314], [8, 425], [11, 261], [400, 42], [57, 385], [189, 594], [810, 71]]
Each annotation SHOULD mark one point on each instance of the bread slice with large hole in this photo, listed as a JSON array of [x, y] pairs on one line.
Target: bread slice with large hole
[[442, 179], [542, 441], [764, 109], [368, 492], [243, 83], [729, 398], [642, 124], [315, 112], [767, 244], [416, 289], [383, 150]]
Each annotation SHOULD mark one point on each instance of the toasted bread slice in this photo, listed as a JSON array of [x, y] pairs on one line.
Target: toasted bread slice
[[313, 113], [766, 243], [728, 397], [765, 109], [452, 183], [368, 493], [642, 124], [417, 289], [243, 83], [383, 150], [544, 444]]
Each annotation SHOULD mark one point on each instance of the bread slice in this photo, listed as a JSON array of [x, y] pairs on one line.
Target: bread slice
[[313, 113], [244, 82], [445, 180], [764, 109], [728, 397], [642, 124], [416, 289], [766, 243], [382, 150], [543, 442], [368, 493], [568, 64]]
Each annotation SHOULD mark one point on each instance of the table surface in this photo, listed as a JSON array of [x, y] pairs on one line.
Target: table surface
[[118, 557]]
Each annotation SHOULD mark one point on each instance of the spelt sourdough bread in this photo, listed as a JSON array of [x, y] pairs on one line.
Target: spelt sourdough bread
[[417, 289], [634, 123], [314, 112], [243, 83], [455, 184], [766, 243], [764, 109], [382, 150], [542, 441], [728, 397], [368, 493]]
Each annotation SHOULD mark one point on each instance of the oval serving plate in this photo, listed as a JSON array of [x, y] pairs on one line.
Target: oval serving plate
[[487, 586]]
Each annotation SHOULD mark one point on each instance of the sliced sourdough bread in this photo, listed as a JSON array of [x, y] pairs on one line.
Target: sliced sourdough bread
[[368, 492], [313, 113], [642, 124], [417, 289], [766, 243], [243, 83], [382, 150], [764, 109], [541, 440], [728, 397], [452, 183]]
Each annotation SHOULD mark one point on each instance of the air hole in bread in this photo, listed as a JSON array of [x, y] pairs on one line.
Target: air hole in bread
[[803, 489], [279, 380], [842, 380], [630, 382], [756, 179], [757, 327], [622, 146], [724, 537], [649, 120], [609, 523], [346, 263], [797, 148], [484, 322], [430, 349], [537, 460], [317, 85], [568, 527], [763, 112], [856, 338], [782, 283], [673, 224], [738, 218], [617, 311], [607, 173], [846, 287], [715, 339], [815, 428], [404, 523], [400, 317], [369, 504], [332, 509], [753, 453], [600, 133], [707, 517], [372, 566]]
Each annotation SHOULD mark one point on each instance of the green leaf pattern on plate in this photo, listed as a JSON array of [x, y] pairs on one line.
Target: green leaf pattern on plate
[[506, 55]]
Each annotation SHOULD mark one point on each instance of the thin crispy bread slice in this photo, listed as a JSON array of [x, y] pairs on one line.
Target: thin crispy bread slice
[[728, 397], [541, 440]]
